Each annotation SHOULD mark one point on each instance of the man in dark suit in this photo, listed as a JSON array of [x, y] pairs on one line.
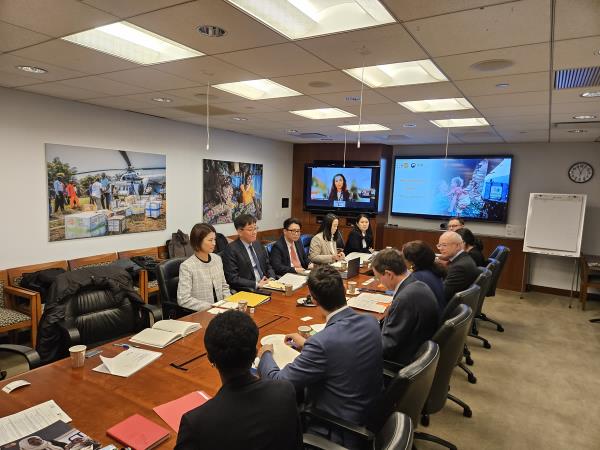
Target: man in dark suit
[[462, 271], [413, 316], [287, 254], [341, 366], [245, 261], [247, 412]]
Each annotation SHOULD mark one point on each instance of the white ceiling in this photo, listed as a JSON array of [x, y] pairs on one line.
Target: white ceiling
[[454, 34]]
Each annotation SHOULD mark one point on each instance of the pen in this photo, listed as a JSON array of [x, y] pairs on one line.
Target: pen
[[126, 345]]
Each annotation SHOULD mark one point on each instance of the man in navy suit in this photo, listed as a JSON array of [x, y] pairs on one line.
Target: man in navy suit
[[462, 270], [340, 367], [245, 261], [287, 254], [413, 316]]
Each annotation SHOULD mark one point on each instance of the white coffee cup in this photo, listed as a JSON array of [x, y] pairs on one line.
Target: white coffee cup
[[77, 355], [351, 287]]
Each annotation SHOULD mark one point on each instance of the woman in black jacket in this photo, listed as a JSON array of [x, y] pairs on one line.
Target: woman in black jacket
[[472, 246], [360, 238]]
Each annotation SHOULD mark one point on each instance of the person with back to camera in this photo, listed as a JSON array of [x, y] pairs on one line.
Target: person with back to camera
[[339, 189], [360, 238], [247, 412], [472, 246], [420, 259], [201, 278], [324, 244]]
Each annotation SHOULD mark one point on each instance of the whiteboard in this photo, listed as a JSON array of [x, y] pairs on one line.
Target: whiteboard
[[555, 224]]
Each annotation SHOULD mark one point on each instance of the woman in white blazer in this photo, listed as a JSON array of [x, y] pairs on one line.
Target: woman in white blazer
[[201, 278], [323, 245]]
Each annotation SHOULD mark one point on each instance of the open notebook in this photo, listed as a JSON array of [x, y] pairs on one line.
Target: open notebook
[[165, 332], [127, 362], [296, 280]]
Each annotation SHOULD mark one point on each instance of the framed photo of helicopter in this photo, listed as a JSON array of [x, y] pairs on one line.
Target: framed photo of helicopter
[[95, 192], [231, 189]]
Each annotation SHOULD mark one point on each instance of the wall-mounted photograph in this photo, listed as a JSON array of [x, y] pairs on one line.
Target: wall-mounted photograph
[[231, 189], [96, 192]]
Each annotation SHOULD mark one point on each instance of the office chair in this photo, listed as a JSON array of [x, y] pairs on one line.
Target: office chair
[[305, 239], [269, 247], [17, 359], [167, 275], [450, 338], [499, 255], [483, 281]]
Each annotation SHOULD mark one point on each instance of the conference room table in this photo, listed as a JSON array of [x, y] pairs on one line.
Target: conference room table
[[97, 401]]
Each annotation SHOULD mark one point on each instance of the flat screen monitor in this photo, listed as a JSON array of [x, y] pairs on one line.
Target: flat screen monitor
[[474, 187]]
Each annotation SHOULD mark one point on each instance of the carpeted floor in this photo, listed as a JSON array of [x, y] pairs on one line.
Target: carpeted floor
[[538, 387]]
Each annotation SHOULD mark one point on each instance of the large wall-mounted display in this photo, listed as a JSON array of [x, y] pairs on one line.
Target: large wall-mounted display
[[96, 192], [476, 187], [231, 189]]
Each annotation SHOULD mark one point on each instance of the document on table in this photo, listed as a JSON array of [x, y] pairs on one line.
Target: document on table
[[370, 302], [128, 362], [30, 420]]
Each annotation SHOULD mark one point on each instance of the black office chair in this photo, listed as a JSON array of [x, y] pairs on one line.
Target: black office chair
[[167, 275], [483, 281], [500, 255], [450, 338], [17, 359], [221, 242]]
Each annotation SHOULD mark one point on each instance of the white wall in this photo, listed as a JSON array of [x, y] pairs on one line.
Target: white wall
[[28, 121], [536, 168]]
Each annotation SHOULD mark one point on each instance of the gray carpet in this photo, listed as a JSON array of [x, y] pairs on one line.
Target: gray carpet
[[538, 387]]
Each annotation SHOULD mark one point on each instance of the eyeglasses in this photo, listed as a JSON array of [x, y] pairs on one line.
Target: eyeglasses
[[444, 245], [293, 231], [250, 230]]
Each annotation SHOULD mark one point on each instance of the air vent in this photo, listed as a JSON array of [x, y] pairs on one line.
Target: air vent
[[576, 125], [309, 135], [576, 78], [200, 110]]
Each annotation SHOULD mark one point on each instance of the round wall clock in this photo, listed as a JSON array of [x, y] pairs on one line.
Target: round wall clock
[[581, 172]]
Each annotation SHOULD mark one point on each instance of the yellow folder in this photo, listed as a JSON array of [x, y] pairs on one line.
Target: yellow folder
[[252, 298]]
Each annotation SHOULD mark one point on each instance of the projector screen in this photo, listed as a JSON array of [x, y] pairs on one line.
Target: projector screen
[[475, 187]]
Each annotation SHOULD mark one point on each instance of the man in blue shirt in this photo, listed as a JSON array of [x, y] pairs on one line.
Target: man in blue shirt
[[106, 191], [59, 190]]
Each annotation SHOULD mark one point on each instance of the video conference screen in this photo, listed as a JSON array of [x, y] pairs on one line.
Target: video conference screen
[[341, 188], [473, 187]]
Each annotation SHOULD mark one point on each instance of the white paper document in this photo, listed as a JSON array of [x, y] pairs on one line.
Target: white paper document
[[370, 302], [363, 256], [283, 354], [128, 362], [296, 280], [30, 420]]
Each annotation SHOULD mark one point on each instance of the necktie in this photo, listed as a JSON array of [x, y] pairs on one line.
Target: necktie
[[255, 260], [294, 256]]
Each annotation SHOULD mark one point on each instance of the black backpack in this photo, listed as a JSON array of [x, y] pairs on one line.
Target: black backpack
[[179, 245], [148, 263]]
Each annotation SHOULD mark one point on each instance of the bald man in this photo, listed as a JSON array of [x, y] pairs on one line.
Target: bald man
[[462, 271]]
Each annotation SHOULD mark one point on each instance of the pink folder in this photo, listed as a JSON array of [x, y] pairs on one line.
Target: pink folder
[[172, 411]]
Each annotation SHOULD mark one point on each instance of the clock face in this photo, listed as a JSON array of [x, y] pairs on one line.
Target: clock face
[[581, 172]]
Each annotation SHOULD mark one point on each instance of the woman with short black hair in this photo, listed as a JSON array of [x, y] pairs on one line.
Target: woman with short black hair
[[360, 238], [472, 246], [420, 259]]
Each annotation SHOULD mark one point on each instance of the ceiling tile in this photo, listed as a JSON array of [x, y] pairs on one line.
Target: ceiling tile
[[276, 61], [13, 37], [521, 122], [505, 25], [381, 45], [320, 83], [420, 92], [58, 89], [518, 99], [576, 18], [248, 107], [503, 111], [588, 106], [150, 78], [526, 59], [128, 8], [14, 79], [54, 18], [406, 10], [146, 99], [294, 103], [568, 116], [197, 94], [117, 102], [349, 98], [563, 135], [75, 57], [104, 86], [577, 53], [537, 81], [180, 24], [205, 69], [574, 96], [8, 63], [512, 136]]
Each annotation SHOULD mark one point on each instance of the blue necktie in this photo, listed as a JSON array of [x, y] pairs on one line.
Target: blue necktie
[[256, 264]]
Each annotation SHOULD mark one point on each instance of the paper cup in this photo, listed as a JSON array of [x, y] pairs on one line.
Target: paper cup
[[243, 305], [77, 355], [304, 331], [344, 265], [288, 290], [351, 287]]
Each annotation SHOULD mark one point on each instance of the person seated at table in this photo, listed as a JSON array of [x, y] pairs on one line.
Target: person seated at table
[[201, 278], [247, 412], [412, 317], [420, 259], [462, 271], [455, 223], [341, 366], [472, 246], [245, 260], [360, 238], [287, 254], [324, 245]]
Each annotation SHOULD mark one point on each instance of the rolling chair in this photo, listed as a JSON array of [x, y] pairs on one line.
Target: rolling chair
[[305, 239], [269, 247], [483, 281], [167, 275], [500, 255], [17, 359]]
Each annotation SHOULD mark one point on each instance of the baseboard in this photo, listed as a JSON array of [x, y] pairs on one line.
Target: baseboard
[[557, 291]]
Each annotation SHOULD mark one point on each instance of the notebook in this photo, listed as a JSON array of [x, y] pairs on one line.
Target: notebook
[[127, 362], [171, 412], [165, 332], [138, 433], [370, 302], [252, 298], [296, 280]]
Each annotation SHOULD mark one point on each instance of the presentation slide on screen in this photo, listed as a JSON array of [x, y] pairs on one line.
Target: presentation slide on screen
[[465, 187], [341, 187]]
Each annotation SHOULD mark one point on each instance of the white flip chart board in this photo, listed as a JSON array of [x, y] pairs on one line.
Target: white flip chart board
[[555, 224]]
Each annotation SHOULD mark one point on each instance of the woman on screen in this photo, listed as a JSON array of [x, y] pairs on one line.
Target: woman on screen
[[420, 259], [360, 238], [339, 189], [324, 245]]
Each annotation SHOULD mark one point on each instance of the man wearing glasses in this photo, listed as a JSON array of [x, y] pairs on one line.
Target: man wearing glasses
[[287, 254], [455, 223], [245, 261], [462, 271]]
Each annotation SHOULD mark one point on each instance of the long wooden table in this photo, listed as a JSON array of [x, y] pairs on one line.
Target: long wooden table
[[97, 401]]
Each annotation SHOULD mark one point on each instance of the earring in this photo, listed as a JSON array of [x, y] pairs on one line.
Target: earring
[[212, 364]]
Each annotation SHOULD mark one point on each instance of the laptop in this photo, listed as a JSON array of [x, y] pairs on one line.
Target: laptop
[[353, 268]]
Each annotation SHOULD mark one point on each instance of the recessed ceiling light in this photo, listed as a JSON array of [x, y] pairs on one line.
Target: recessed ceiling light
[[239, 119], [211, 31], [257, 89], [578, 131], [437, 104], [584, 117], [130, 42], [298, 19], [502, 85], [162, 99], [451, 123], [590, 94], [409, 125], [32, 69], [323, 113], [364, 127], [398, 74]]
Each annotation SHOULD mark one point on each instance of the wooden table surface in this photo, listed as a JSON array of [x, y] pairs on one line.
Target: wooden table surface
[[97, 401]]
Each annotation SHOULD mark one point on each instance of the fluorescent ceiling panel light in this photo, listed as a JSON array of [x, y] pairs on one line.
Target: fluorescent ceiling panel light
[[130, 42], [452, 123], [365, 127], [323, 113], [437, 104], [257, 89], [297, 19], [398, 74]]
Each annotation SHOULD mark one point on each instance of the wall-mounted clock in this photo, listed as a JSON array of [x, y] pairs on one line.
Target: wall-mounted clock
[[581, 172]]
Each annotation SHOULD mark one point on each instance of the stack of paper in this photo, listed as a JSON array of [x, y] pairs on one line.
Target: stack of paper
[[363, 256], [30, 420], [283, 354], [370, 302], [128, 362], [296, 280]]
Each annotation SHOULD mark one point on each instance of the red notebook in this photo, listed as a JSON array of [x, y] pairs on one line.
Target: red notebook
[[138, 433], [172, 411]]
